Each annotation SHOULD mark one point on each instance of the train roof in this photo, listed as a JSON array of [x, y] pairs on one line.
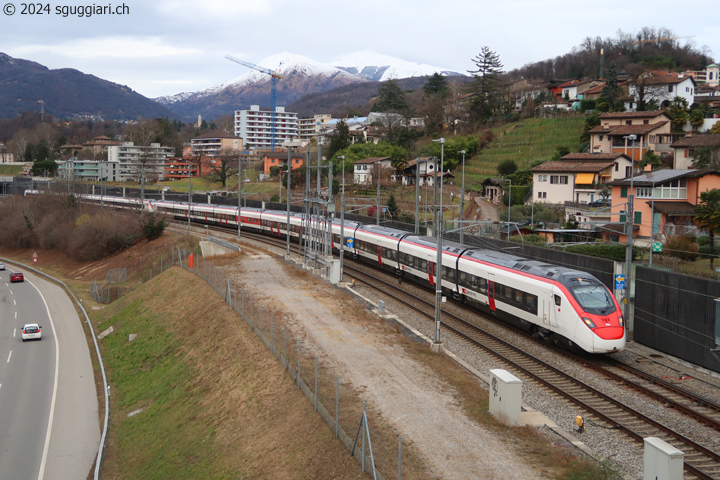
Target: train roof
[[522, 264], [383, 230]]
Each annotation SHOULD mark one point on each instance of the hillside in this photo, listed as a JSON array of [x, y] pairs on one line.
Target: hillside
[[68, 93], [524, 142]]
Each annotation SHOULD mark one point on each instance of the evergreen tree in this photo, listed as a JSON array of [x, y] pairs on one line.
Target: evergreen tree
[[609, 100], [391, 98], [392, 207], [436, 85], [486, 85], [340, 140]]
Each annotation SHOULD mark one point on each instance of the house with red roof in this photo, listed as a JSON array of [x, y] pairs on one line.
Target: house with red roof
[[577, 177], [652, 132], [661, 88]]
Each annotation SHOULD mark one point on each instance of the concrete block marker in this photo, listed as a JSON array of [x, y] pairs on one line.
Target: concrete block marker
[[105, 333], [132, 337]]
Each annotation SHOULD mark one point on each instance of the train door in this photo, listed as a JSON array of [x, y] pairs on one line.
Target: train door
[[491, 291], [555, 309], [431, 272], [379, 254], [547, 310]]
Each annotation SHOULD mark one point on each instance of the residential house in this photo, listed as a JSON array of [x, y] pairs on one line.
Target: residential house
[[661, 88], [710, 76], [420, 169], [684, 149], [652, 132], [577, 177], [88, 170], [367, 169], [664, 201], [210, 144], [522, 90], [277, 159], [310, 127]]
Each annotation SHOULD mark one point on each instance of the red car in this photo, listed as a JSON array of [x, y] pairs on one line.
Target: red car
[[16, 277]]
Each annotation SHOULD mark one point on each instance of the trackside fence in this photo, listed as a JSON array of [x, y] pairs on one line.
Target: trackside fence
[[375, 450]]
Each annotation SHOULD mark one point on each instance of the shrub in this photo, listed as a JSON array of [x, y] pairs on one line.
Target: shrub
[[152, 225], [275, 198], [684, 247]]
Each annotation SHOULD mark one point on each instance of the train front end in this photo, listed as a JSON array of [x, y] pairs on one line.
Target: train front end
[[600, 325]]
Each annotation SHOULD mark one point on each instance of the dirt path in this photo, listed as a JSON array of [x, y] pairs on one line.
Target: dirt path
[[416, 402]]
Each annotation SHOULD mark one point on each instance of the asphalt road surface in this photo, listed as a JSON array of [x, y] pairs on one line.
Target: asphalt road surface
[[49, 423]]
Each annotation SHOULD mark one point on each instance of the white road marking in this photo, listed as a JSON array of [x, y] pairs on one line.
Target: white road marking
[[14, 302], [41, 474], [15, 315], [14, 332], [9, 356], [11, 292]]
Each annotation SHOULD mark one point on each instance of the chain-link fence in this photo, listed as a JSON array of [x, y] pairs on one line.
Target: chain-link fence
[[376, 447]]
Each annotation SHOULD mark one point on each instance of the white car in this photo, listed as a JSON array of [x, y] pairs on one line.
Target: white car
[[32, 331], [2, 266]]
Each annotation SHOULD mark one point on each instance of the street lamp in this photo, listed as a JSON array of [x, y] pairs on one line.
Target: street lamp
[[438, 264], [509, 204], [342, 215], [629, 232], [462, 199]]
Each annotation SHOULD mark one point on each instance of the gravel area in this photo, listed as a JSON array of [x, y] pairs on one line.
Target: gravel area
[[606, 443], [453, 446], [418, 404]]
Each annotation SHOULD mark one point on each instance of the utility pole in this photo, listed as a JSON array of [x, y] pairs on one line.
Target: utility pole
[[289, 163], [240, 182], [462, 199], [629, 234], [438, 265], [342, 215]]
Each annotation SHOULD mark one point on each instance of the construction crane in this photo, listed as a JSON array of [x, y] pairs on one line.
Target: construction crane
[[665, 39], [274, 77]]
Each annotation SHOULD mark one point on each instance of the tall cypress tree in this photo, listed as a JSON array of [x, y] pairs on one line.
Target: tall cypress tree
[[486, 85]]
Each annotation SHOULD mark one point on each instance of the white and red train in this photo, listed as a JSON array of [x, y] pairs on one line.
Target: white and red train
[[563, 305]]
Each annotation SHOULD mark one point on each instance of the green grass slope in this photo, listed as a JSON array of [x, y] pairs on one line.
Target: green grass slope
[[208, 399], [524, 142]]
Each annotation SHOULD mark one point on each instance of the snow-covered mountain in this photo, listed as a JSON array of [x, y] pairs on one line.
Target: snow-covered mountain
[[301, 76], [379, 68], [289, 65]]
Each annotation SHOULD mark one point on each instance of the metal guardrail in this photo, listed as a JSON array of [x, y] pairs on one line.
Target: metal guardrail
[[224, 244], [106, 422]]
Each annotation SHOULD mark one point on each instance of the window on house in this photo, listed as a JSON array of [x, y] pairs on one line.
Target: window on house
[[617, 167], [601, 137], [559, 179], [542, 194], [628, 122], [670, 88], [646, 122], [623, 192]]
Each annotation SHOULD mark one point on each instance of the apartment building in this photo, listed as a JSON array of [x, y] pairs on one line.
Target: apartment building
[[210, 144], [134, 160], [310, 127], [254, 126]]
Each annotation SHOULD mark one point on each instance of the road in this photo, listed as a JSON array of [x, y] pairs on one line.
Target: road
[[49, 424]]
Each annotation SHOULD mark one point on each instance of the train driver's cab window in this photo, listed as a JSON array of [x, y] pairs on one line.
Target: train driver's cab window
[[557, 300]]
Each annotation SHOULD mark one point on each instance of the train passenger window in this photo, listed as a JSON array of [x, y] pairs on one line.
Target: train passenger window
[[557, 300]]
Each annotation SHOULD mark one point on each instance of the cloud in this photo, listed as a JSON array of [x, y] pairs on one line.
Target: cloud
[[219, 9], [108, 47]]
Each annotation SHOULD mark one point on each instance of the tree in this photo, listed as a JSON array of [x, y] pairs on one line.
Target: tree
[[506, 167], [392, 207], [436, 85], [341, 140], [706, 157], [715, 128], [678, 112], [486, 85], [391, 98], [609, 100], [224, 166], [707, 216], [650, 158], [697, 118]]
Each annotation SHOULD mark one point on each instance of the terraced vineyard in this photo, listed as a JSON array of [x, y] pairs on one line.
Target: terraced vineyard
[[524, 142]]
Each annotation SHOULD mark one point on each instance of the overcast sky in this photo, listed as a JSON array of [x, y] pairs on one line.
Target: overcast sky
[[166, 47]]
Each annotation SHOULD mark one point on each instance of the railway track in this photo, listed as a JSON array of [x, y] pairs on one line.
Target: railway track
[[700, 462]]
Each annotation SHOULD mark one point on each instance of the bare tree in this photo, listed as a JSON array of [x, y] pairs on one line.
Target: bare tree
[[224, 165], [143, 133]]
